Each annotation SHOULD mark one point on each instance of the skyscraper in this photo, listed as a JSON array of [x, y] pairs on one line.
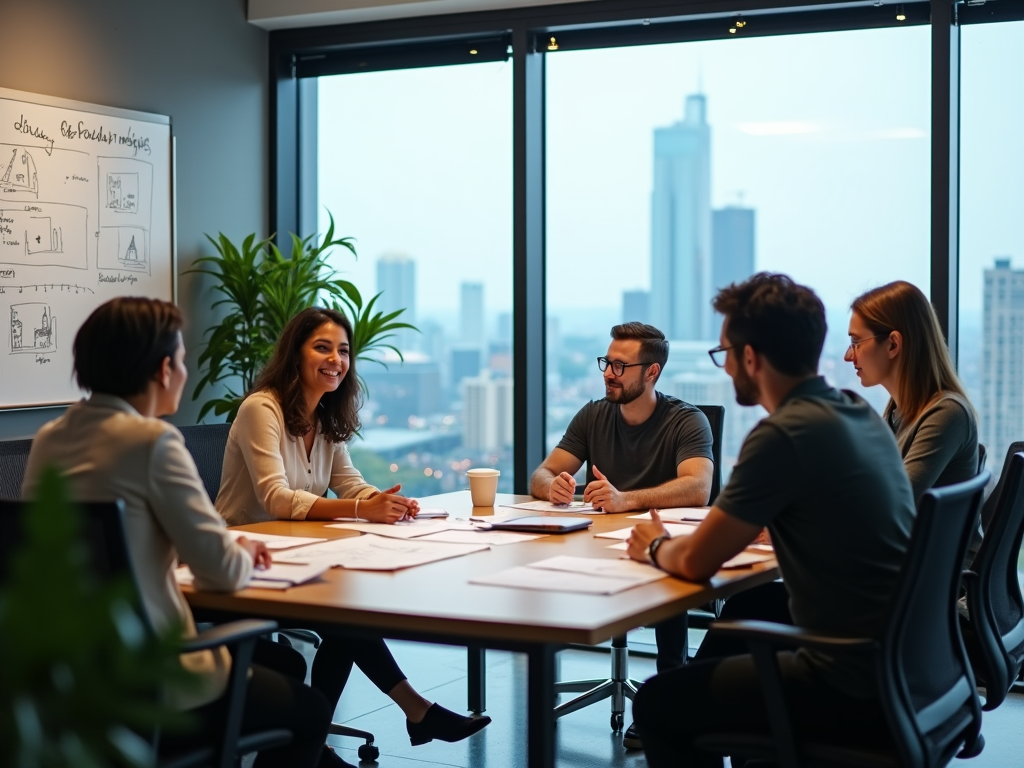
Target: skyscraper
[[396, 282], [1002, 380], [681, 226], [487, 413], [732, 245], [471, 315], [636, 306]]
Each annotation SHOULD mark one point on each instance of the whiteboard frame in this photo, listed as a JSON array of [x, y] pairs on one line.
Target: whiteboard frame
[[44, 100]]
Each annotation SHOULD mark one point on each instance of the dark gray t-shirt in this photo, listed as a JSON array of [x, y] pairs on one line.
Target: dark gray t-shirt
[[823, 473], [642, 455]]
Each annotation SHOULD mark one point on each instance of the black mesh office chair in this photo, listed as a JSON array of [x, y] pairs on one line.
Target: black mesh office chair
[[619, 687], [13, 457], [926, 686], [104, 531], [206, 443], [994, 635]]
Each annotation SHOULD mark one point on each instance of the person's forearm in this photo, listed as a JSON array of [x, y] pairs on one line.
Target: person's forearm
[[540, 483], [680, 492], [328, 509], [676, 556]]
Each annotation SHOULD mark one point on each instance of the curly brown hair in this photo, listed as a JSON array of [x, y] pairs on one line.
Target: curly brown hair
[[339, 410]]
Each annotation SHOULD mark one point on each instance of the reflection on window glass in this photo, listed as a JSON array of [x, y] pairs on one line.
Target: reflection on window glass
[[674, 170], [991, 355], [417, 166]]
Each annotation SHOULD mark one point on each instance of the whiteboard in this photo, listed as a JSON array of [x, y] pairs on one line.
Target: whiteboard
[[86, 214]]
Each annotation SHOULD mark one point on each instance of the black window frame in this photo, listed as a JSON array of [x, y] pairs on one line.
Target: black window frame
[[297, 55]]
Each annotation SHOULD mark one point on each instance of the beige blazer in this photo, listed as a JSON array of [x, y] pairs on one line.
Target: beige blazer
[[267, 474], [109, 451]]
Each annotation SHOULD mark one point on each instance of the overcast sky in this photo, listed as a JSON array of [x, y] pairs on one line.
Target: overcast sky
[[825, 135]]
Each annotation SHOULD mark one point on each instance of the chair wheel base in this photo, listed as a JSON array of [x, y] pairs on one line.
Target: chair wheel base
[[617, 721], [368, 753]]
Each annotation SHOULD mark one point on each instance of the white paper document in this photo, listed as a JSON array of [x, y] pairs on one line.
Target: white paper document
[[482, 536], [406, 529], [677, 514], [640, 573], [275, 542], [277, 576], [742, 560], [524, 577], [378, 553], [546, 506], [673, 529]]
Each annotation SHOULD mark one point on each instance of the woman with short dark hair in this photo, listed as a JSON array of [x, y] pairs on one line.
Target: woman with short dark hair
[[896, 341], [129, 355], [286, 448]]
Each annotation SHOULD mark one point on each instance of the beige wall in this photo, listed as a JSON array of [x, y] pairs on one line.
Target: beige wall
[[198, 61]]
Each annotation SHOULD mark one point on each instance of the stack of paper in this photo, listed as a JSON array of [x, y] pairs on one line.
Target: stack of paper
[[377, 553], [677, 514], [274, 542], [406, 529], [588, 575], [673, 529], [277, 576]]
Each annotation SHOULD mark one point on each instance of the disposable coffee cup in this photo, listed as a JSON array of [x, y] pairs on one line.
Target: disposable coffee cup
[[483, 485]]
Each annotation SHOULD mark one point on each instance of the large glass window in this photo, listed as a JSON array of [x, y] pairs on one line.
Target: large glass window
[[673, 170], [417, 165], [991, 353]]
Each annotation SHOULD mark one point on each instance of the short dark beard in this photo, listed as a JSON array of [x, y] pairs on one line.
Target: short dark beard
[[747, 391], [625, 395]]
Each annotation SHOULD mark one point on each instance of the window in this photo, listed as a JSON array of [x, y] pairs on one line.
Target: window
[[675, 169], [417, 165], [991, 349]]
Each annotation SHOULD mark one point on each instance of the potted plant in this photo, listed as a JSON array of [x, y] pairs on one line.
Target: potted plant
[[81, 676], [262, 290]]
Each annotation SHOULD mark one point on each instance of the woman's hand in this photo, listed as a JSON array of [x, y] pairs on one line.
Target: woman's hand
[[258, 550], [387, 506]]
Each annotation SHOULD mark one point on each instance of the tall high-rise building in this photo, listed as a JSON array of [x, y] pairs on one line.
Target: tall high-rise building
[[471, 315], [396, 282], [681, 226], [636, 305], [487, 413], [732, 245], [1002, 379]]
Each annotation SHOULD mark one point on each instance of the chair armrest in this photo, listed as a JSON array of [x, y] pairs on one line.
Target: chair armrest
[[789, 636], [229, 634]]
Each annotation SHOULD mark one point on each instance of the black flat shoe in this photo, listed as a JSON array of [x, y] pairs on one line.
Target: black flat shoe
[[444, 725]]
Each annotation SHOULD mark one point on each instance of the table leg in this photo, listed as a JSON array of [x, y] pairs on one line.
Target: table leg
[[540, 720], [477, 678]]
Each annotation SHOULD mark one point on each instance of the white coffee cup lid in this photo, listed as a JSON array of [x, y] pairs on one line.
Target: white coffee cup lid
[[483, 472]]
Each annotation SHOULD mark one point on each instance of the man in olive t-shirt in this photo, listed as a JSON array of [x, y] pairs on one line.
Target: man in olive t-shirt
[[642, 448], [822, 472]]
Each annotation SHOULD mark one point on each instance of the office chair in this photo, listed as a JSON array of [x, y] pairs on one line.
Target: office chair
[[104, 531], [994, 634], [619, 687], [206, 443], [13, 458], [926, 685]]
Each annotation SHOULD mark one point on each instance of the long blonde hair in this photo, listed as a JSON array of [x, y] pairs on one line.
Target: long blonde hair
[[923, 367]]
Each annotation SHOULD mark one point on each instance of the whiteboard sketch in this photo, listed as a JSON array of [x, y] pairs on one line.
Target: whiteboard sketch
[[19, 172], [33, 328], [125, 213], [86, 215]]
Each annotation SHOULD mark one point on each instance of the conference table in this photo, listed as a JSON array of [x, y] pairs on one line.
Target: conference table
[[436, 603]]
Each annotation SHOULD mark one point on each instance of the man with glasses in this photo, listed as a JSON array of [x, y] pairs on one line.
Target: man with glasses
[[642, 449], [822, 471]]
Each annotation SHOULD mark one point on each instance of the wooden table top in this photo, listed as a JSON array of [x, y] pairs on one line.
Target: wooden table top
[[438, 599]]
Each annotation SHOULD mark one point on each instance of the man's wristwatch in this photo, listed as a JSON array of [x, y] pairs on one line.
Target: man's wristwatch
[[652, 550]]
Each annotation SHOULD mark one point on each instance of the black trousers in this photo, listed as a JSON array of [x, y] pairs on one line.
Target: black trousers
[[335, 657], [275, 698], [672, 638], [716, 692]]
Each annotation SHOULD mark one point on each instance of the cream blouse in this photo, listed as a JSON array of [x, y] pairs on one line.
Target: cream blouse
[[267, 474]]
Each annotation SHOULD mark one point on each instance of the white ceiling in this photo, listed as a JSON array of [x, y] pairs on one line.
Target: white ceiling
[[287, 14]]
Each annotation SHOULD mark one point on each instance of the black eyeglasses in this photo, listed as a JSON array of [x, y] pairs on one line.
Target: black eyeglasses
[[618, 367], [718, 355]]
